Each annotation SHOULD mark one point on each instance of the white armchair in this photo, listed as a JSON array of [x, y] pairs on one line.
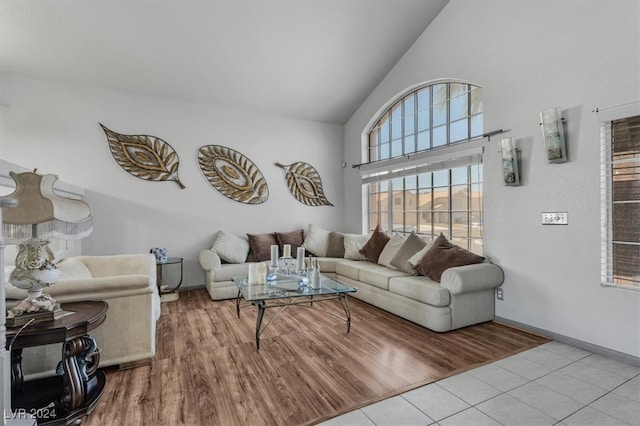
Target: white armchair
[[128, 284]]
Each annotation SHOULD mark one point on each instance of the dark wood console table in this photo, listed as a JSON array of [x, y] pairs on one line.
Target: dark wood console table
[[71, 395]]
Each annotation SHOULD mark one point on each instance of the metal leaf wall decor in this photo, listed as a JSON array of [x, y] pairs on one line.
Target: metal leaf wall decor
[[145, 157], [304, 183], [233, 174]]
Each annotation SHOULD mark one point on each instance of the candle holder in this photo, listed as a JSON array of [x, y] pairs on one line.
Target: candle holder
[[286, 265]]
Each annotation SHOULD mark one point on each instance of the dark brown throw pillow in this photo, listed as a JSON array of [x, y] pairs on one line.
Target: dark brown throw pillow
[[261, 246], [336, 245], [294, 238], [411, 246], [375, 244], [443, 255]]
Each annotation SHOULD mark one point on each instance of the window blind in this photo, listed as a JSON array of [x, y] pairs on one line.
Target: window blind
[[620, 180]]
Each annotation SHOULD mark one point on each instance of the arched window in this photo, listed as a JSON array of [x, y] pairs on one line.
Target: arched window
[[415, 180]]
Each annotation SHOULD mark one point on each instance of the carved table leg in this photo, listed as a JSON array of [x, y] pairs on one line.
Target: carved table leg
[[16, 370], [79, 360]]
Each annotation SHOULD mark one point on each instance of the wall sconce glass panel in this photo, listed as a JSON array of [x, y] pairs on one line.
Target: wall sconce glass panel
[[553, 134], [509, 155]]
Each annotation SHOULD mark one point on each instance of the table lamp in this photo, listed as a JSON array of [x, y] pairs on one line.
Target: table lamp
[[39, 215]]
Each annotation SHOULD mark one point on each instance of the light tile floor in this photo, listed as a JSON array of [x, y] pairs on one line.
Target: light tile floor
[[552, 384]]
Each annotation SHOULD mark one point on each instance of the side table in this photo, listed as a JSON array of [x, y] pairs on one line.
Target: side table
[[72, 395], [168, 294]]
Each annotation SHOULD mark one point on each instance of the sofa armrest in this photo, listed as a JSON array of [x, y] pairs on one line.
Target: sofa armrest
[[209, 260], [121, 264], [470, 278]]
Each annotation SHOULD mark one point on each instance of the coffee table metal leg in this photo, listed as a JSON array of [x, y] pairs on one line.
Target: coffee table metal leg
[[345, 305], [238, 303], [261, 310]]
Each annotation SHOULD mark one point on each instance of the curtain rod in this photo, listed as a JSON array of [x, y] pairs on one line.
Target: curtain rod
[[597, 110], [408, 156]]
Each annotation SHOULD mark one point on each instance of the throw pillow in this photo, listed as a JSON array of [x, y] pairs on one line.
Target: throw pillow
[[352, 245], [390, 250], [317, 240], [230, 248], [443, 255], [375, 244], [295, 239], [411, 245], [415, 259], [261, 246], [336, 245]]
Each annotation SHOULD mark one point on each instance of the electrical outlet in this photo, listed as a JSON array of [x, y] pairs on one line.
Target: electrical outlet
[[555, 218], [499, 294]]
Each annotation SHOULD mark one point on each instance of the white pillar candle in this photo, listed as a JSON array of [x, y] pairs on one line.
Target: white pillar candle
[[300, 259], [262, 273], [286, 250], [253, 274], [274, 256]]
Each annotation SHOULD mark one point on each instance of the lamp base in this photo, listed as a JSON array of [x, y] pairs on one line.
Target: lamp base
[[40, 316], [42, 308]]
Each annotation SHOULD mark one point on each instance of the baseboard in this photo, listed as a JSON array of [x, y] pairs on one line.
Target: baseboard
[[134, 364], [609, 353]]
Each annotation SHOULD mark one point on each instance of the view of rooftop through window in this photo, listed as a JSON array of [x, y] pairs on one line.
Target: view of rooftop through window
[[447, 200]]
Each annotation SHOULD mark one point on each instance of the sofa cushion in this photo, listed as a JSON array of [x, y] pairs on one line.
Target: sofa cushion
[[316, 240], [390, 250], [350, 268], [352, 245], [295, 239], [230, 248], [378, 275], [411, 245], [327, 265], [261, 245], [421, 289], [73, 268], [336, 245], [375, 244], [443, 255]]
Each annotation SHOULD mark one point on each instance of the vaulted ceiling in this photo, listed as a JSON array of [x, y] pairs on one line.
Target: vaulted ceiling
[[309, 59]]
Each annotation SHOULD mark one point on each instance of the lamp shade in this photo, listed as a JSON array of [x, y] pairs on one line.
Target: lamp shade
[[42, 213]]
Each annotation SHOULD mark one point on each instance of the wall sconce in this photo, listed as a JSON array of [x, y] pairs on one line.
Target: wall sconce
[[509, 155], [553, 134]]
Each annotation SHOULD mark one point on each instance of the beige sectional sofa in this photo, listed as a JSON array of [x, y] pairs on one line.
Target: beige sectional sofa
[[464, 295], [128, 284]]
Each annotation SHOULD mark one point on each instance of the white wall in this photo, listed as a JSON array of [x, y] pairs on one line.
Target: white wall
[[529, 56], [54, 127]]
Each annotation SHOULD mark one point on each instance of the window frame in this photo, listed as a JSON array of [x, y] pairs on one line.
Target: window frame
[[607, 204], [379, 202]]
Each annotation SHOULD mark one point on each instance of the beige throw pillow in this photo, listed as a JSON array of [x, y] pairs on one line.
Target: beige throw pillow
[[317, 241], [391, 249], [352, 245], [411, 245], [230, 248]]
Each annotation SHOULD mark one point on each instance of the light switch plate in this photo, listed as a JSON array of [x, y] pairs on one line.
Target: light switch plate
[[555, 218]]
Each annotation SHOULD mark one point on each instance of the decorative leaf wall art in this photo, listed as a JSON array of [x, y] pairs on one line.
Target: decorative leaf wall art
[[233, 174], [145, 157], [304, 183]]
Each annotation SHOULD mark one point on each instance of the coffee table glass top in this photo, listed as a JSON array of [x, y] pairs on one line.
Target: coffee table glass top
[[288, 286]]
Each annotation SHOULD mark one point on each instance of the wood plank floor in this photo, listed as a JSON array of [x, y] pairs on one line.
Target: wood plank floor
[[207, 371]]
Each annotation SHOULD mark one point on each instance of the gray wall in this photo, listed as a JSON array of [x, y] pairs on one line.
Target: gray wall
[[529, 56], [54, 127]]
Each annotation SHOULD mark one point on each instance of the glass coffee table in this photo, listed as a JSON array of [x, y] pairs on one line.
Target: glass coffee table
[[283, 291]]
